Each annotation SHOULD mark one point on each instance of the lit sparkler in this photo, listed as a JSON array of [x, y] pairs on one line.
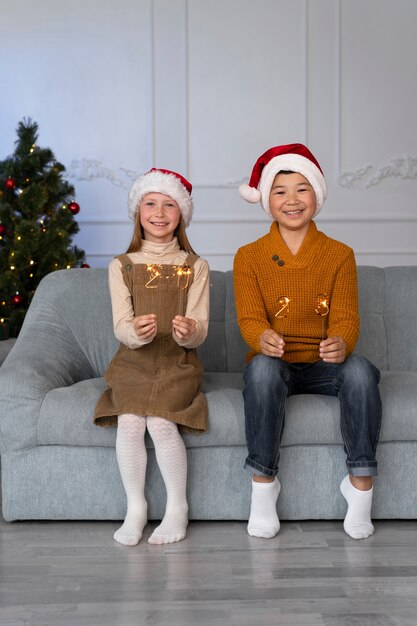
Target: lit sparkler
[[322, 309], [283, 303], [154, 274], [156, 271]]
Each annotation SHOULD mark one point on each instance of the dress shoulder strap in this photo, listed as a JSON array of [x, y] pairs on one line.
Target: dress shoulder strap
[[127, 273], [188, 264], [191, 259], [124, 260]]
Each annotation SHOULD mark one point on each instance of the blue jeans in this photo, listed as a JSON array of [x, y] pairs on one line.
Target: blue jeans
[[268, 383]]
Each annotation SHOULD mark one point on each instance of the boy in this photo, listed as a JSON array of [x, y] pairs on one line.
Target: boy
[[297, 305]]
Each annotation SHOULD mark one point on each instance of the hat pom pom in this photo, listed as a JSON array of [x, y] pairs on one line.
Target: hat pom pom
[[250, 194]]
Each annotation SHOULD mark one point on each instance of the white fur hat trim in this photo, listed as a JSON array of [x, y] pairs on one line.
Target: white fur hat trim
[[160, 182], [294, 163]]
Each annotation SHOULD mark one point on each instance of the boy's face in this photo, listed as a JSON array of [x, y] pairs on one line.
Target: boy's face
[[292, 201]]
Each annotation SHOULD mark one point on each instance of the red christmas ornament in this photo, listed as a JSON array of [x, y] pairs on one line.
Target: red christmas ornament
[[10, 184], [74, 207], [17, 299], [3, 230], [85, 265]]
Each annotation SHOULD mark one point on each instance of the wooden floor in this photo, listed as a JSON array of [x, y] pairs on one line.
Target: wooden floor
[[311, 574]]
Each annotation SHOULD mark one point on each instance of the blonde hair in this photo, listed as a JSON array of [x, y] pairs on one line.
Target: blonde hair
[[138, 236]]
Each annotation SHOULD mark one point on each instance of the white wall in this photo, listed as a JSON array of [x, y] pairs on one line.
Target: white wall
[[204, 87]]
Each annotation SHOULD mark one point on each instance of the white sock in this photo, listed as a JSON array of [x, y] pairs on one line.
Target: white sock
[[171, 456], [357, 522], [131, 457], [263, 519]]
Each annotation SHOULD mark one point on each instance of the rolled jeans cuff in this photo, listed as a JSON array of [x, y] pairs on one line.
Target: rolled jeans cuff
[[362, 469], [259, 470]]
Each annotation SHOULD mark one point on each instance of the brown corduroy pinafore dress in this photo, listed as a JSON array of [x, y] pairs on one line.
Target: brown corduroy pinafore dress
[[161, 378]]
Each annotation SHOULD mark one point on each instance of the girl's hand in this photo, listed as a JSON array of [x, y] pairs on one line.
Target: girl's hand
[[145, 326], [333, 350], [271, 344], [183, 327]]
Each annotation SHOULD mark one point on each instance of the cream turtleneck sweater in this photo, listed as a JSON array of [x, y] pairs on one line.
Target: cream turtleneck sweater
[[197, 301]]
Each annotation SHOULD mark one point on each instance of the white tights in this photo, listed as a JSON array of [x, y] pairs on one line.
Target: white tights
[[131, 457], [172, 460]]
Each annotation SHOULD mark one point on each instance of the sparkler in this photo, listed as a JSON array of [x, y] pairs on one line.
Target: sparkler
[[155, 272], [185, 270], [283, 303], [322, 309]]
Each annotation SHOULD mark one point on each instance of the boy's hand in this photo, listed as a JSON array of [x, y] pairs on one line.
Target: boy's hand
[[271, 344], [145, 326], [333, 350], [183, 327]]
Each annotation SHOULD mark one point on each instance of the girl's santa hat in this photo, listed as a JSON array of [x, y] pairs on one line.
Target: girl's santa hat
[[293, 157], [167, 182]]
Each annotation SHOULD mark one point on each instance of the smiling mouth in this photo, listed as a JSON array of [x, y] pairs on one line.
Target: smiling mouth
[[159, 223], [297, 212]]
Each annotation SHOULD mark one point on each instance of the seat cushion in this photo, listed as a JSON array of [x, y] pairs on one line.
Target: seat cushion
[[66, 414]]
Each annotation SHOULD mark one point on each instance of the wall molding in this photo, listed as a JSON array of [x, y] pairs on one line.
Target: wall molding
[[403, 168], [228, 253], [260, 219], [400, 167], [86, 169]]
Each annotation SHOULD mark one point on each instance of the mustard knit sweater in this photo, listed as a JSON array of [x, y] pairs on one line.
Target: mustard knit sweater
[[265, 270]]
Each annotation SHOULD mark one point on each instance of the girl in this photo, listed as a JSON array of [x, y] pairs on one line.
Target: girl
[[160, 301]]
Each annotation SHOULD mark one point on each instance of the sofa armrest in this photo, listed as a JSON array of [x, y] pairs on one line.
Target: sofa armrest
[[46, 356]]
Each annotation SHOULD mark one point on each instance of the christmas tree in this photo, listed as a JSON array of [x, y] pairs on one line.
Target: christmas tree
[[37, 224]]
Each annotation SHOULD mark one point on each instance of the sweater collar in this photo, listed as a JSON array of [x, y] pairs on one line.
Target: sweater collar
[[160, 249], [306, 254]]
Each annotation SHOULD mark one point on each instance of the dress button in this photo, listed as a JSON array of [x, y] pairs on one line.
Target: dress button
[[280, 263], [275, 257]]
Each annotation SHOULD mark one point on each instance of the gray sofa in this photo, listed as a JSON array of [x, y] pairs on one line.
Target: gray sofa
[[57, 465]]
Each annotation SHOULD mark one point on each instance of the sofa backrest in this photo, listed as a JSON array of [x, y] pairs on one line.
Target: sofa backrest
[[72, 308], [400, 317], [388, 311], [372, 341], [75, 304], [224, 349]]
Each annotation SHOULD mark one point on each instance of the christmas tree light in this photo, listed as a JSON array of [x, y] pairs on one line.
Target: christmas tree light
[[37, 224]]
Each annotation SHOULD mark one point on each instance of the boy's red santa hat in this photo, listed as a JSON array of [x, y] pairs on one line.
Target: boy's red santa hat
[[167, 182], [293, 157]]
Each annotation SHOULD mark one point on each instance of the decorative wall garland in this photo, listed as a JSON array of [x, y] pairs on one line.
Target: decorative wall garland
[[92, 169], [404, 168]]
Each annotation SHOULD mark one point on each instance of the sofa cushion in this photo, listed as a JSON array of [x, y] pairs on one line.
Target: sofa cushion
[[60, 424]]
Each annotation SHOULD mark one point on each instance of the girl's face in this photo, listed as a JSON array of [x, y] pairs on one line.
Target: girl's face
[[159, 217]]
